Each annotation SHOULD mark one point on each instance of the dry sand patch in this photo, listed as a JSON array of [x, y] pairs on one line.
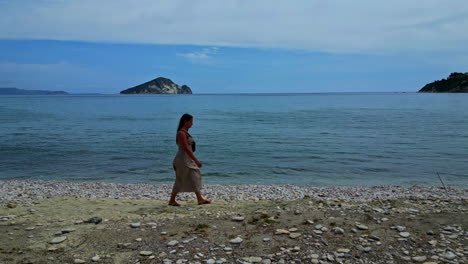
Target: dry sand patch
[[203, 233]]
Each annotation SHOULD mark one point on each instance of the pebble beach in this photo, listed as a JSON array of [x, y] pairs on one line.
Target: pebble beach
[[89, 222], [30, 190]]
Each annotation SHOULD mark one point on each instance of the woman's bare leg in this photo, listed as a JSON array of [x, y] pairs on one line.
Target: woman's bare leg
[[200, 199], [172, 200]]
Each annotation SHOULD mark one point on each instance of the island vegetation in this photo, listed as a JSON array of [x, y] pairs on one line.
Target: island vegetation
[[455, 83]]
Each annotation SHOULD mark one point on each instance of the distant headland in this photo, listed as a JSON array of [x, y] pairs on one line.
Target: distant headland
[[159, 85], [16, 91], [455, 83]]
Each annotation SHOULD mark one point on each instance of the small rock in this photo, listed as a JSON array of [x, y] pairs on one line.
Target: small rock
[[236, 240], [135, 225], [419, 258], [338, 230], [93, 220], [58, 240], [95, 258], [79, 261], [361, 227], [68, 230], [449, 228], [172, 243], [238, 218], [343, 250], [400, 228], [294, 235], [253, 259], [363, 249], [449, 256], [282, 231], [404, 234], [146, 253], [189, 240]]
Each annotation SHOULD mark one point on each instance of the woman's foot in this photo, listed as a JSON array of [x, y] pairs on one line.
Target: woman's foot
[[174, 203], [204, 201]]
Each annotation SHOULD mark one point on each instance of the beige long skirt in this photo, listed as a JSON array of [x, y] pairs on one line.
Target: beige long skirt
[[188, 176]]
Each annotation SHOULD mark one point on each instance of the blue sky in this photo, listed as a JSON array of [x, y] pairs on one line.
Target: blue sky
[[231, 46]]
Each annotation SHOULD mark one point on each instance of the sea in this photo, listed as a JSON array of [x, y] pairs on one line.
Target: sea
[[317, 139]]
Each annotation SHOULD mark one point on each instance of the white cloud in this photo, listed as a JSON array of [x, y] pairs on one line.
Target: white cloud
[[332, 25], [201, 56]]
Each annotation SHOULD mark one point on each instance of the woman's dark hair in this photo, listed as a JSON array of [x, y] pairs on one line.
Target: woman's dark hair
[[184, 118]]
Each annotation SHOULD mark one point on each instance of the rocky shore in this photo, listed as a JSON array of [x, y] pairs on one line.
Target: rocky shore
[[31, 190], [65, 222]]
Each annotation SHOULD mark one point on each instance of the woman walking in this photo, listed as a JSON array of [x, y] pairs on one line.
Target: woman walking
[[186, 165]]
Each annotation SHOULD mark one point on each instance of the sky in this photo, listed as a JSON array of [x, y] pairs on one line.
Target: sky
[[232, 46]]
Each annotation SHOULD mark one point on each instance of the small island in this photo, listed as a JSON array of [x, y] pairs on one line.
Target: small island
[[16, 91], [159, 85], [455, 83]]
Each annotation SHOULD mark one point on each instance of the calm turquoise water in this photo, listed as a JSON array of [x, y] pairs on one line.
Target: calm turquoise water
[[303, 139]]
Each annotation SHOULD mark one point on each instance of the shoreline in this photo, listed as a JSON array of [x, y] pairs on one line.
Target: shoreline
[[27, 191]]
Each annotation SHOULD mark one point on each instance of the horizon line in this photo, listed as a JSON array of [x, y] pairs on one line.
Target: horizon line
[[200, 94]]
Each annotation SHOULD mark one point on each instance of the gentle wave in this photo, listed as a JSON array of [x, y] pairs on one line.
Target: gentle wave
[[310, 139]]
